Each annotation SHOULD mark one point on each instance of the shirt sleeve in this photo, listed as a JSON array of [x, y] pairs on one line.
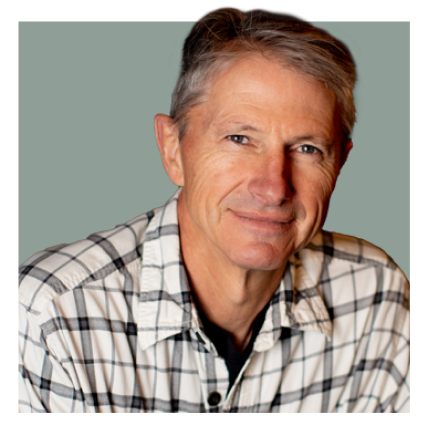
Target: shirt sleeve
[[399, 401], [401, 364], [44, 384]]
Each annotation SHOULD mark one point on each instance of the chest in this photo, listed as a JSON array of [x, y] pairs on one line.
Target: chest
[[301, 372]]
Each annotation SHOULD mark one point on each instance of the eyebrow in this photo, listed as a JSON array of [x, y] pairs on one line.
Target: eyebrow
[[315, 137], [247, 127], [238, 126]]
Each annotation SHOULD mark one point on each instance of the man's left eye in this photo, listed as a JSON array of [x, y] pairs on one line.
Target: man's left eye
[[237, 138], [308, 149]]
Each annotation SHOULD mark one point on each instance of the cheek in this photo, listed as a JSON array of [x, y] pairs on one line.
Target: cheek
[[209, 179], [215, 173], [314, 186]]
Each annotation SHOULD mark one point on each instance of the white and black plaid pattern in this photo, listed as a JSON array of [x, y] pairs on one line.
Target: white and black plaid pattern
[[107, 324]]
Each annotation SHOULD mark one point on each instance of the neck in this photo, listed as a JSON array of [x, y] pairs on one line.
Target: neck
[[230, 297]]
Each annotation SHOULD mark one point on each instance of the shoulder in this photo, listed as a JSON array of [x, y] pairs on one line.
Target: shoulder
[[338, 247], [55, 271], [358, 281], [343, 261]]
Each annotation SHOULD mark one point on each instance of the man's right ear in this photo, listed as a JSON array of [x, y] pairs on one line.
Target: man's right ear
[[167, 137]]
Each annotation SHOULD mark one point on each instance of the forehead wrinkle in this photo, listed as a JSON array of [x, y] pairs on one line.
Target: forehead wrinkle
[[252, 117], [229, 101]]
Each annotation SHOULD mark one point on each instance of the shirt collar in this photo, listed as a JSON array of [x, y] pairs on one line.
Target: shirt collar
[[166, 307]]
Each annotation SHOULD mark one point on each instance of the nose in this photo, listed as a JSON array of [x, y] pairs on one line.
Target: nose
[[271, 181]]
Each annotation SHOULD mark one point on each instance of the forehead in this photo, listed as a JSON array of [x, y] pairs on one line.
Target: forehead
[[260, 89]]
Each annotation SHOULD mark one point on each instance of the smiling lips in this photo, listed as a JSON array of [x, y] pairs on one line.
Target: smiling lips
[[262, 221]]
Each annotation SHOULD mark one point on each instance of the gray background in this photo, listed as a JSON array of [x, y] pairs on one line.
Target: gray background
[[88, 93]]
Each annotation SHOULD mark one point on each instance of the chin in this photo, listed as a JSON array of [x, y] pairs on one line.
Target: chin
[[259, 258]]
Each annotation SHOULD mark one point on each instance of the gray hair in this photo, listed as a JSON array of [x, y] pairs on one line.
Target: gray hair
[[226, 35]]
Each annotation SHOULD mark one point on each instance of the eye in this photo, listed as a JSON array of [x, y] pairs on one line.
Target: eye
[[309, 149], [237, 138]]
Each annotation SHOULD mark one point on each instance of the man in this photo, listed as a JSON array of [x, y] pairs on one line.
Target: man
[[230, 298]]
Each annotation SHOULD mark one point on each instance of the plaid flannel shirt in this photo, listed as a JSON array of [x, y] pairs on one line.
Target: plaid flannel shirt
[[108, 324]]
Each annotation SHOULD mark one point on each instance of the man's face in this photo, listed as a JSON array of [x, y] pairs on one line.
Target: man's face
[[259, 163]]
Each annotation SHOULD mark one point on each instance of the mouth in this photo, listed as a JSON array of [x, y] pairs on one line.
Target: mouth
[[259, 221]]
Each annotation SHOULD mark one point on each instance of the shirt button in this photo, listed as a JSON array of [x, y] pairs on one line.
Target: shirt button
[[214, 398]]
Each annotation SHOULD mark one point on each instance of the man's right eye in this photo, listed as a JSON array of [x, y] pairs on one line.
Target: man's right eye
[[238, 139]]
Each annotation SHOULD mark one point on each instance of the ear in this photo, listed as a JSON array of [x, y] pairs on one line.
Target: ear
[[347, 150], [169, 147]]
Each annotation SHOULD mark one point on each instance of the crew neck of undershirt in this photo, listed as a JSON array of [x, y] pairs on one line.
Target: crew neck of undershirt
[[222, 341]]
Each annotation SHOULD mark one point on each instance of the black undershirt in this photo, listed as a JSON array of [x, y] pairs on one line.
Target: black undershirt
[[222, 341]]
